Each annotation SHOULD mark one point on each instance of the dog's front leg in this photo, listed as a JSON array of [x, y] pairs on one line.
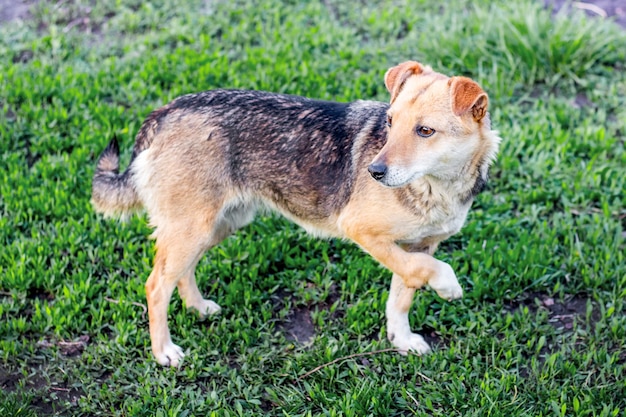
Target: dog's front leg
[[401, 297], [398, 328], [400, 300], [445, 284], [411, 269], [415, 267]]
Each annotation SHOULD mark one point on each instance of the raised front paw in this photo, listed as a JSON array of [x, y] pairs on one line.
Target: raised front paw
[[446, 284], [452, 292], [169, 355]]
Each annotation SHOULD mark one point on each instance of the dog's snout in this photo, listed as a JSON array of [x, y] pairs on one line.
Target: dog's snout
[[377, 171]]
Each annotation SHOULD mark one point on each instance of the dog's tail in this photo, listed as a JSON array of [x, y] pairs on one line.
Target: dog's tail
[[113, 194]]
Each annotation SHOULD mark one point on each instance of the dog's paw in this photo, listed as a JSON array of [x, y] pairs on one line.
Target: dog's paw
[[170, 355], [413, 342], [208, 307], [446, 284], [453, 292], [205, 308]]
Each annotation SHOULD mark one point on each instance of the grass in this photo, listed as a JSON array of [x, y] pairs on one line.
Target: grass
[[540, 331]]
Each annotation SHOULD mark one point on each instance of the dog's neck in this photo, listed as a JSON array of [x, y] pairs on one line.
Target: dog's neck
[[465, 187], [462, 188]]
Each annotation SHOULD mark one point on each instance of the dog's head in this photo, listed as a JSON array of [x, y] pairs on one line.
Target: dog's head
[[437, 126]]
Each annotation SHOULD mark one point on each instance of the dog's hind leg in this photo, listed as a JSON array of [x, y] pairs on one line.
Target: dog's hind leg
[[187, 285], [398, 328], [189, 292], [231, 218], [178, 250]]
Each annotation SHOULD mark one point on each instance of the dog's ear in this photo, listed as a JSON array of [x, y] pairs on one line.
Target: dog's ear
[[396, 77], [467, 95]]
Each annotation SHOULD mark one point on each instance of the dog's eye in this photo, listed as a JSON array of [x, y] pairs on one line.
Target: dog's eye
[[388, 122], [425, 131]]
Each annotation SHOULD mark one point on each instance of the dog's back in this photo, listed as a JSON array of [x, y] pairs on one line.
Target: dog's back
[[298, 154]]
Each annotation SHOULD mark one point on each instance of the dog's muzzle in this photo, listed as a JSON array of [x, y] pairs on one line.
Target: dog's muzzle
[[377, 171]]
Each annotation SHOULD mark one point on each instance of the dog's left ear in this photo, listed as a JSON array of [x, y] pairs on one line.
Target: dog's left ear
[[467, 95], [395, 77]]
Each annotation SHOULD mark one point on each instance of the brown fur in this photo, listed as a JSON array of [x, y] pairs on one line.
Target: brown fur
[[203, 164], [396, 77]]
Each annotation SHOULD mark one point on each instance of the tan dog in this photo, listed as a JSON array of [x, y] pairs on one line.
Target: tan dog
[[396, 179]]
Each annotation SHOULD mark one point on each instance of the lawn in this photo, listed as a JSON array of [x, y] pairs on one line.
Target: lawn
[[542, 258]]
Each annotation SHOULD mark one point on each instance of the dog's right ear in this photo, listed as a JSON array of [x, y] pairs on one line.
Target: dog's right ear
[[395, 77]]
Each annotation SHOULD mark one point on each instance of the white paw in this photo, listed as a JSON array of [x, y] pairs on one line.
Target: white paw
[[208, 307], [170, 355], [412, 342], [205, 308], [445, 283], [453, 292]]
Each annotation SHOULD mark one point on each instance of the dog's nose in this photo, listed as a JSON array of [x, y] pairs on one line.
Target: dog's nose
[[377, 171]]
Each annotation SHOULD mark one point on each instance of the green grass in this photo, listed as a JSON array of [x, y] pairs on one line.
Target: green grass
[[542, 327]]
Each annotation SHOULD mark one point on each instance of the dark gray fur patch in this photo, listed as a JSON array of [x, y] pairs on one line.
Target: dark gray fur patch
[[413, 200], [292, 150], [149, 129], [479, 186], [109, 188]]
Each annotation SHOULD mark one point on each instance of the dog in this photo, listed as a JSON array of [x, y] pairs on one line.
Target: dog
[[394, 178]]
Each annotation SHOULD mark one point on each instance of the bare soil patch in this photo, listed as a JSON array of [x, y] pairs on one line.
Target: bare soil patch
[[14, 9], [67, 348], [8, 379], [299, 327], [561, 313], [46, 397], [604, 9]]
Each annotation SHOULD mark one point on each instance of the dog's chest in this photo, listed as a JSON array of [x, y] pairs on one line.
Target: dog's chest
[[436, 222]]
